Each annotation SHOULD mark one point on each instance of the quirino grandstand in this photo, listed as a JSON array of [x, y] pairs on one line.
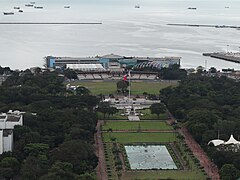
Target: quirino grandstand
[[110, 63]]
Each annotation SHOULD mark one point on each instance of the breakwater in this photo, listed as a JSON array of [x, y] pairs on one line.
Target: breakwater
[[206, 25], [50, 23], [233, 57]]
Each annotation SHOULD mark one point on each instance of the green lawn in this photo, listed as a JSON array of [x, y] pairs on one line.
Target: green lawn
[[165, 174], [116, 116], [149, 116], [128, 125], [139, 137], [102, 87]]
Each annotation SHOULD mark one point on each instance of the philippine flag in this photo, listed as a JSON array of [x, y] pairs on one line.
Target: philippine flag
[[126, 75]]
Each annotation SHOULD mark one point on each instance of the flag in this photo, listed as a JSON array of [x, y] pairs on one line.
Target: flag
[[126, 75]]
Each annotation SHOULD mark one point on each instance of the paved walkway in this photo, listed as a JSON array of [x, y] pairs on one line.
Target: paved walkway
[[101, 168], [144, 131], [210, 168]]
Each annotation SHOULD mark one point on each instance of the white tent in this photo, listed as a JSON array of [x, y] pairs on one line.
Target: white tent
[[216, 142], [232, 140]]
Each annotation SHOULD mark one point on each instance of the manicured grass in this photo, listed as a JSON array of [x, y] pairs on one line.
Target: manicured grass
[[139, 137], [116, 116], [148, 115], [128, 125], [165, 174], [102, 87]]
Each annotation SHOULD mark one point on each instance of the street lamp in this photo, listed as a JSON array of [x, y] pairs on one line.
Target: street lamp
[[227, 48]]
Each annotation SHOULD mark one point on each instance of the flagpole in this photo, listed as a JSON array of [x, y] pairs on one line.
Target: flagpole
[[129, 91]]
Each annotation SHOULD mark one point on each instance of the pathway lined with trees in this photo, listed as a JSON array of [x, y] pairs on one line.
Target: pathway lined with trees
[[101, 168], [210, 168]]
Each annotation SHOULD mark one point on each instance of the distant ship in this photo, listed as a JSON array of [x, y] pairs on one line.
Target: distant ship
[[20, 10], [16, 7], [38, 7], [226, 7], [137, 6], [29, 5], [32, 2], [66, 7], [192, 8], [8, 13]]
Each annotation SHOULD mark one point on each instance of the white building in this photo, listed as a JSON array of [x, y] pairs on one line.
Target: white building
[[7, 122]]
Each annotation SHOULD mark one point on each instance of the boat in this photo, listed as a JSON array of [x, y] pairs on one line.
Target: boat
[[227, 7], [16, 7], [137, 6], [192, 8], [29, 5], [20, 10], [66, 7], [38, 7], [8, 13]]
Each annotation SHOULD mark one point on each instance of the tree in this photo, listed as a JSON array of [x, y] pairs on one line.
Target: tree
[[229, 172], [112, 110], [104, 107], [36, 149], [122, 86], [157, 108], [82, 91], [212, 70], [60, 171], [70, 74], [32, 168], [78, 153], [9, 167]]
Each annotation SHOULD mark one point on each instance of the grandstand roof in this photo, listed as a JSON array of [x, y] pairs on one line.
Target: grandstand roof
[[86, 67]]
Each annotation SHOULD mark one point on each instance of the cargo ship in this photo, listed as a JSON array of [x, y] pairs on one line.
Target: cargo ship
[[8, 13]]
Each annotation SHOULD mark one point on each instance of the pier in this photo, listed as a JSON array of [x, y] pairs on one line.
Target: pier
[[233, 57]]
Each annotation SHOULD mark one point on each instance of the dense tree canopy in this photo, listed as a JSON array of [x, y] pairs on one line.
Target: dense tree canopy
[[56, 140], [207, 105], [229, 172]]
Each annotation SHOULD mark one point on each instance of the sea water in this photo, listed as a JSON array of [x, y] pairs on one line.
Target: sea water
[[125, 30]]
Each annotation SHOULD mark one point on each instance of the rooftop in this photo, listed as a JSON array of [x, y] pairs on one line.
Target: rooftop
[[12, 118]]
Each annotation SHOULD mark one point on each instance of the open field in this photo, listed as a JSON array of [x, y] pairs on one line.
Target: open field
[[137, 88], [142, 125], [165, 174], [139, 137]]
